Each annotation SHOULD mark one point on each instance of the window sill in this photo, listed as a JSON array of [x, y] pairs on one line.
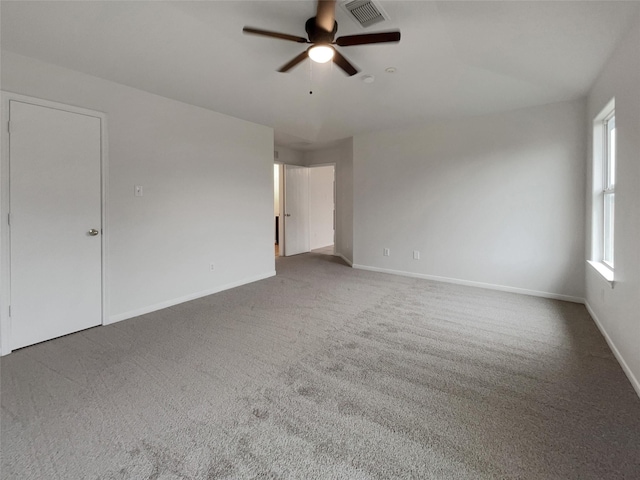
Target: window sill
[[603, 270]]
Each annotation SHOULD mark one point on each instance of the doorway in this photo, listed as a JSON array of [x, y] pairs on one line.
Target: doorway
[[304, 207], [55, 227], [277, 206]]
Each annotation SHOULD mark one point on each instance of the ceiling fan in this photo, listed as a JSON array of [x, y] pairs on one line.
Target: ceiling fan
[[321, 31]]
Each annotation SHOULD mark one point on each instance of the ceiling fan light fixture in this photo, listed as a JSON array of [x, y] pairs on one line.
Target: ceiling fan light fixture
[[321, 53]]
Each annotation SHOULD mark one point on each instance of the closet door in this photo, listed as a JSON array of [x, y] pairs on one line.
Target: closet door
[[55, 222]]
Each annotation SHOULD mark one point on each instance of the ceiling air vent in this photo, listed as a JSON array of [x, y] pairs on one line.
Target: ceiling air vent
[[365, 12]]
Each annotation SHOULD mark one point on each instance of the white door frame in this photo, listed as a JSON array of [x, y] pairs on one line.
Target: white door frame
[[5, 246]]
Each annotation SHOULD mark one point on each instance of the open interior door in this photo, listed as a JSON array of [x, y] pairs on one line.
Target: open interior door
[[296, 210]]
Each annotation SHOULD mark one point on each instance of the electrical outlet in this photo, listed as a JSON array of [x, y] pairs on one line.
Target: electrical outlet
[[416, 255], [386, 252], [211, 267], [138, 191]]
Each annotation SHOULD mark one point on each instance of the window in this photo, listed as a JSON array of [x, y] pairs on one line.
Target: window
[[604, 192], [609, 187]]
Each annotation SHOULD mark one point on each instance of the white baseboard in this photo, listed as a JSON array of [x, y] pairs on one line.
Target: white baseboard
[[469, 283], [349, 262], [169, 303], [632, 378]]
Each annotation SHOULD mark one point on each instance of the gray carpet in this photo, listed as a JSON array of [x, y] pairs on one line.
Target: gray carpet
[[326, 372]]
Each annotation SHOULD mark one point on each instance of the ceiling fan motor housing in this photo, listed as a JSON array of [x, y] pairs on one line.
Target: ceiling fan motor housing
[[319, 35]]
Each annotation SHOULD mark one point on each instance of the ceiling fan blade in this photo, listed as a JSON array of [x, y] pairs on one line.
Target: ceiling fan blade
[[281, 36], [288, 66], [381, 37], [344, 64], [326, 15]]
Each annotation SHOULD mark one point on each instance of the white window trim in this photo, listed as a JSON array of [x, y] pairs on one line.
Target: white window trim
[[608, 190], [603, 270], [599, 188]]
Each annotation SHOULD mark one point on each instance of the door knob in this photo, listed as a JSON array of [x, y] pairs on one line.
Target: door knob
[[93, 232]]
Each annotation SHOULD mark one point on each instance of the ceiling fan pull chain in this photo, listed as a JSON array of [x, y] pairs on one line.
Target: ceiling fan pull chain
[[310, 78]]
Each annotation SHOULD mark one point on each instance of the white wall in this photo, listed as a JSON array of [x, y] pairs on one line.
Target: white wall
[[341, 155], [288, 156], [617, 310], [495, 200], [208, 189], [321, 206]]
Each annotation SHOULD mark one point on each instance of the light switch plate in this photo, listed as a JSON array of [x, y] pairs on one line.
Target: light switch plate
[[138, 191]]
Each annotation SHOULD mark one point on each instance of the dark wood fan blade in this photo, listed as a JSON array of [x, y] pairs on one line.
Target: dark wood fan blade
[[288, 66], [281, 36], [381, 37], [344, 64], [326, 15]]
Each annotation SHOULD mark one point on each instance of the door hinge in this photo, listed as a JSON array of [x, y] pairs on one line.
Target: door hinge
[[9, 219], [9, 310], [9, 127]]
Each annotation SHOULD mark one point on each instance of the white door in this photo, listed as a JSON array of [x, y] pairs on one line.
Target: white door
[[321, 206], [296, 210], [55, 222]]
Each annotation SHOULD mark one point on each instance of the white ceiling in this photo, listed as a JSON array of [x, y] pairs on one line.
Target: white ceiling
[[455, 58]]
